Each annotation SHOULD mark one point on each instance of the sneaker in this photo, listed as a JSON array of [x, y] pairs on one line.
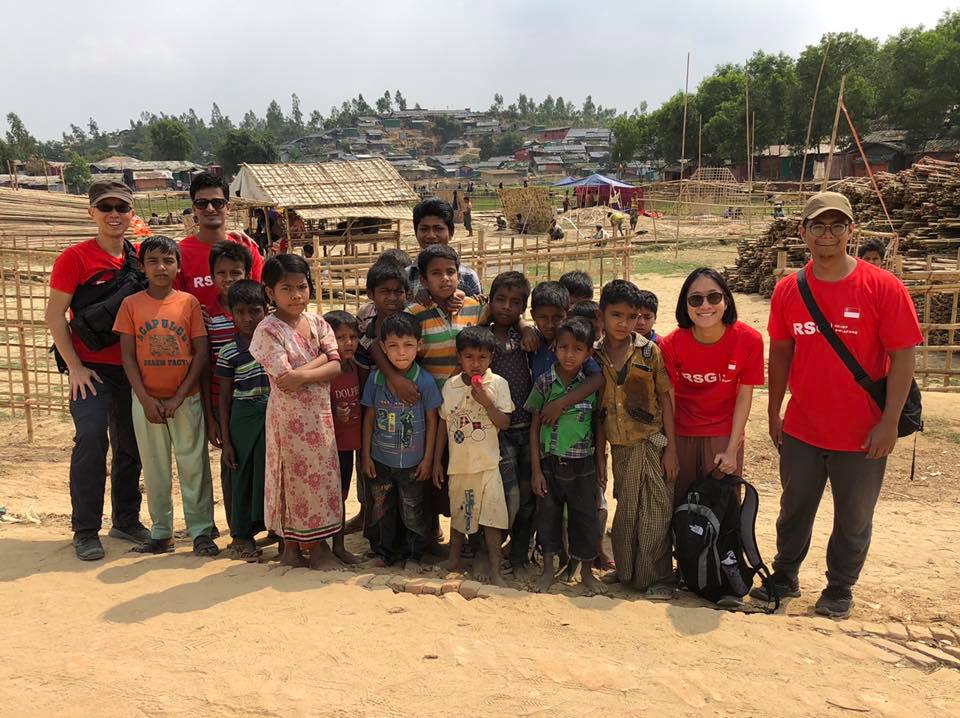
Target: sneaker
[[731, 602], [138, 533], [834, 602], [785, 586], [88, 546]]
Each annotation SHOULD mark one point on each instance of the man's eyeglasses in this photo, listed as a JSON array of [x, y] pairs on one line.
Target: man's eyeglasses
[[837, 230], [119, 208], [696, 300], [217, 203]]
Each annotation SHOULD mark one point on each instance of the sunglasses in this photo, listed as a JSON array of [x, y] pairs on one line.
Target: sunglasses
[[696, 300], [202, 203], [119, 208]]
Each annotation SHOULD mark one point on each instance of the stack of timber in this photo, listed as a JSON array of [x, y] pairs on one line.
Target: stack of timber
[[923, 202], [753, 271], [34, 218]]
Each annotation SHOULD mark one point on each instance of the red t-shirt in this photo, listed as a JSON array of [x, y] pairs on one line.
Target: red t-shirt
[[706, 377], [871, 312], [76, 265], [195, 277], [345, 401]]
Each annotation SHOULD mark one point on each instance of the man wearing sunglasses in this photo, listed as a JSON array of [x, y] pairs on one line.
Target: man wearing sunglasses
[[832, 427], [99, 391], [209, 195]]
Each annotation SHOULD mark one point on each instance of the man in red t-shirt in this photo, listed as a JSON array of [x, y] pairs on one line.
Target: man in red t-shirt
[[99, 391], [832, 428], [210, 195]]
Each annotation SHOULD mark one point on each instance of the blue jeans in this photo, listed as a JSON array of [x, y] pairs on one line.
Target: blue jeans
[[100, 422], [521, 503]]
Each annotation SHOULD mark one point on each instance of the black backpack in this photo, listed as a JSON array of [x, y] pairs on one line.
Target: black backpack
[[715, 539], [95, 303]]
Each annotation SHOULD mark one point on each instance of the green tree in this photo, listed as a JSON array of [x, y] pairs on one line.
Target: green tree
[[76, 174], [399, 100], [488, 148], [21, 143], [239, 146], [275, 119], [385, 103], [296, 114], [446, 129], [630, 137], [509, 142], [170, 140]]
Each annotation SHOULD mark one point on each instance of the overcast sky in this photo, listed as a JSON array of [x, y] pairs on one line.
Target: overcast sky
[[112, 61]]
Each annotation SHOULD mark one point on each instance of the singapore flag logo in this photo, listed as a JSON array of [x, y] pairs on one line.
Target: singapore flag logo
[[851, 312]]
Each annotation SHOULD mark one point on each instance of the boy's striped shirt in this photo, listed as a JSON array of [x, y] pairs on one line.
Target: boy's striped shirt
[[220, 332], [439, 355], [250, 381]]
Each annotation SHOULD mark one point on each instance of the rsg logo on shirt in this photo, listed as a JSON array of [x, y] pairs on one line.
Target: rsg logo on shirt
[[708, 378], [202, 282]]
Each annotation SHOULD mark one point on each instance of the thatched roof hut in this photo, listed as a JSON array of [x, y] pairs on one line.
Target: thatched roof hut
[[327, 190]]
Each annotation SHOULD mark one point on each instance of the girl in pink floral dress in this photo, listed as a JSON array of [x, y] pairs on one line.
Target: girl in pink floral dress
[[298, 350]]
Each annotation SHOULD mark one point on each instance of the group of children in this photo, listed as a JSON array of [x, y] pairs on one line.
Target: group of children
[[445, 403]]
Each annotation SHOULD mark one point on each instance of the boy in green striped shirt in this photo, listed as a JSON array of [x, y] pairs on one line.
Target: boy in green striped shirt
[[244, 389]]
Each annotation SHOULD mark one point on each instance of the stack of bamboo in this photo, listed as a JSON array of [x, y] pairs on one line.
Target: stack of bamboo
[[923, 202], [753, 270], [35, 218]]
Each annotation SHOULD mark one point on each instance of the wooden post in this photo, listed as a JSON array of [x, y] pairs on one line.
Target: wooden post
[[683, 155], [24, 370], [481, 254], [746, 119], [813, 107], [833, 136], [286, 222]]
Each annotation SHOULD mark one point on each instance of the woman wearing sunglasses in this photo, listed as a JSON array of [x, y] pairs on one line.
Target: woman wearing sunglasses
[[714, 361]]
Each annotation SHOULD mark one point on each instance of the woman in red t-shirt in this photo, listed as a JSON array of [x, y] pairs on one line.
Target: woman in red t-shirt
[[714, 361]]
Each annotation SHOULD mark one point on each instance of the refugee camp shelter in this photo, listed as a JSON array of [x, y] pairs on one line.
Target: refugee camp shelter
[[328, 202], [597, 189]]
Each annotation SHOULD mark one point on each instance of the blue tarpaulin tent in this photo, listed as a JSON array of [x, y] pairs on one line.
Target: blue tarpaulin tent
[[597, 189], [595, 180]]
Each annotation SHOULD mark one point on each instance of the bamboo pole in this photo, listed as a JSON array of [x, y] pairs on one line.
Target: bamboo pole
[[813, 107], [833, 136], [24, 368], [683, 152]]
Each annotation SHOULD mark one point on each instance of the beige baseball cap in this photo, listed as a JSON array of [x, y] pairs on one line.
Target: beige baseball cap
[[108, 189], [824, 202]]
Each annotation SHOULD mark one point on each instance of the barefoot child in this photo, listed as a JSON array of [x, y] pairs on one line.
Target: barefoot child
[[163, 343], [244, 391], [508, 300], [637, 405], [347, 415], [562, 456], [229, 263], [397, 453], [298, 350], [476, 406]]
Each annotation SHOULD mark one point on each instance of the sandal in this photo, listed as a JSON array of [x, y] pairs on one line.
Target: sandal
[[246, 550], [154, 546], [203, 545]]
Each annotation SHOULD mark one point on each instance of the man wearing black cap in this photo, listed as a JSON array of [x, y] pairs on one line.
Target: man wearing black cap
[[83, 275], [832, 427]]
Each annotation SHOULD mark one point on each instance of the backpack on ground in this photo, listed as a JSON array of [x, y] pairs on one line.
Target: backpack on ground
[[714, 536]]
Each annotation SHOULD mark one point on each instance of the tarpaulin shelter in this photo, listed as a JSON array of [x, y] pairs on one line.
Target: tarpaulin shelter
[[597, 189]]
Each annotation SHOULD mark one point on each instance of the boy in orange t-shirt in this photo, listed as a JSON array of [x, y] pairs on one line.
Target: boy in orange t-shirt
[[163, 345]]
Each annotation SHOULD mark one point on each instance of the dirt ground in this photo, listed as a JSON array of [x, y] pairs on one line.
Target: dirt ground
[[178, 635]]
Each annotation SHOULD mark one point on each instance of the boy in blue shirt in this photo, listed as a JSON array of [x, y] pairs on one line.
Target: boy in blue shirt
[[397, 451]]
